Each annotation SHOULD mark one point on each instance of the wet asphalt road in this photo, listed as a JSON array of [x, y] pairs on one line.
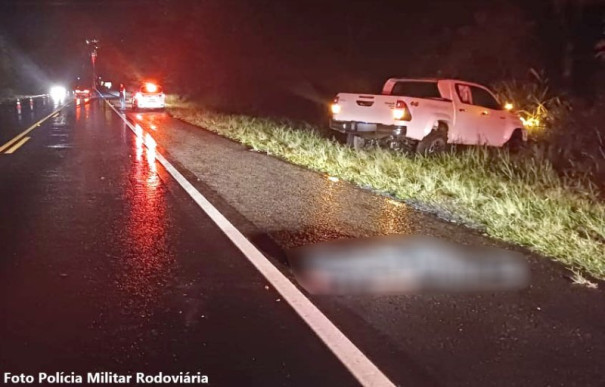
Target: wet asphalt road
[[107, 266], [550, 334], [15, 116]]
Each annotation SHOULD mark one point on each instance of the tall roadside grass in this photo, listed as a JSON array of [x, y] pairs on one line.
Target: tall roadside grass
[[519, 200], [568, 132]]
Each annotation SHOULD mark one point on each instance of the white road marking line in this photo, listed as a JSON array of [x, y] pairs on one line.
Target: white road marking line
[[353, 359]]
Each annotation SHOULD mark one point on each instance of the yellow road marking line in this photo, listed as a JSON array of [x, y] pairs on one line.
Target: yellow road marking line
[[34, 126], [17, 145]]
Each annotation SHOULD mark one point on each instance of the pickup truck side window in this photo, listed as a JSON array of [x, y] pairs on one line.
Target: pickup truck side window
[[483, 98], [416, 89], [464, 93]]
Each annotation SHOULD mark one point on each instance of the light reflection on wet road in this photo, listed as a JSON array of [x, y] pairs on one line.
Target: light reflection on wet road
[[392, 219], [324, 210], [501, 339], [107, 265], [15, 116], [147, 257]]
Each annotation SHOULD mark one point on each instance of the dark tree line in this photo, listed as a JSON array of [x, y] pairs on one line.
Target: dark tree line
[[262, 54]]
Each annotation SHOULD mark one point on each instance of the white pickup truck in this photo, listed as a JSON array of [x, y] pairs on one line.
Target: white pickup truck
[[426, 114]]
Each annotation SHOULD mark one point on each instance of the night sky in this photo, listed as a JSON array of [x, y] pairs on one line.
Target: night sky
[[297, 49]]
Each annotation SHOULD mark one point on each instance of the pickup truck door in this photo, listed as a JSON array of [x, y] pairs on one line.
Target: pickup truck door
[[468, 116], [492, 124]]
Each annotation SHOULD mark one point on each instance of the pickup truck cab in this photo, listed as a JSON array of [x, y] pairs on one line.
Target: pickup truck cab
[[426, 114]]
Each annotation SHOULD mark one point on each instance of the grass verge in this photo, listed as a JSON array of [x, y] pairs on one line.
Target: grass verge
[[515, 199]]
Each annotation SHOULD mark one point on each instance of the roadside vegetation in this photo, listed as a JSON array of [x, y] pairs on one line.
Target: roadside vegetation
[[516, 198], [566, 132]]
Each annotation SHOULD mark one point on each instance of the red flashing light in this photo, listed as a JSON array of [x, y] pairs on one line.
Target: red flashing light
[[151, 87]]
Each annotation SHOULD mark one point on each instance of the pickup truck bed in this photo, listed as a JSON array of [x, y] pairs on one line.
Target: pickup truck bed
[[367, 113]]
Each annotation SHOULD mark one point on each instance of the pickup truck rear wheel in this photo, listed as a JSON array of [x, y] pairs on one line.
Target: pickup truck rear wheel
[[356, 142], [435, 142]]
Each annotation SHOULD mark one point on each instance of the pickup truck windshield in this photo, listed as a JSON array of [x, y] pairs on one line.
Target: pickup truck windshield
[[416, 89]]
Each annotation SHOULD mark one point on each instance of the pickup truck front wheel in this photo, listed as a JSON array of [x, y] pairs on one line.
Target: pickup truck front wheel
[[515, 143], [356, 142], [434, 142]]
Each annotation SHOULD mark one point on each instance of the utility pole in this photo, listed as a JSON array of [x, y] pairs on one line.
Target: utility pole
[[93, 44]]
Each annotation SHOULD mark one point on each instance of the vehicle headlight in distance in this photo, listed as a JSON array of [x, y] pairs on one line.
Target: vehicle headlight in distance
[[58, 93]]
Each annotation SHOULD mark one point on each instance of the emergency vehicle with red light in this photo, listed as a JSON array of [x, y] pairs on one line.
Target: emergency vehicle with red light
[[149, 96]]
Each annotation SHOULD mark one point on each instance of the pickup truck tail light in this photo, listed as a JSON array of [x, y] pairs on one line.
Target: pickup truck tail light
[[335, 106], [401, 111]]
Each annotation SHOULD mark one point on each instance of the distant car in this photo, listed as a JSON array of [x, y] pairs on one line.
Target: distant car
[[149, 96], [82, 92]]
